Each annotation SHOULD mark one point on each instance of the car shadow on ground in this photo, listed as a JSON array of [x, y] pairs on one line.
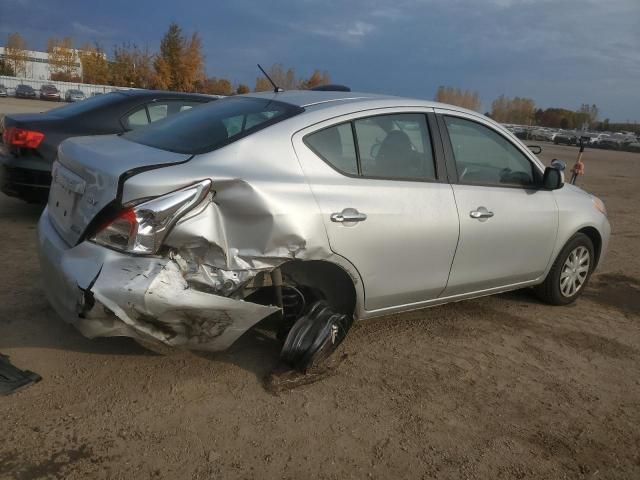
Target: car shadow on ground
[[256, 351], [15, 210]]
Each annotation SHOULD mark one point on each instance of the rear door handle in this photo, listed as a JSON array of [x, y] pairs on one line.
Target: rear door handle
[[480, 213], [348, 215]]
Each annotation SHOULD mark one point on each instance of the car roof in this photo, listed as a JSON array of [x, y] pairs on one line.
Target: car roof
[[164, 93], [314, 100]]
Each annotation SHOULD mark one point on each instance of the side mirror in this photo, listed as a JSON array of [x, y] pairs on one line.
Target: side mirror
[[553, 178]]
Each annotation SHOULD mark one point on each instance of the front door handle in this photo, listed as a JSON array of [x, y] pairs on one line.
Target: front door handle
[[480, 213], [348, 215]]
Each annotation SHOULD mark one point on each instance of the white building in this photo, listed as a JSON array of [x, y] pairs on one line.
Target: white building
[[37, 66]]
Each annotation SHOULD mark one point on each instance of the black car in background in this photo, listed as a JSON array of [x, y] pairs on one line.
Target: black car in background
[[25, 91], [30, 140], [50, 92]]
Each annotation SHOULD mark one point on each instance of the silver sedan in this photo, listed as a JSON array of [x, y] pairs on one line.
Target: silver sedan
[[318, 207]]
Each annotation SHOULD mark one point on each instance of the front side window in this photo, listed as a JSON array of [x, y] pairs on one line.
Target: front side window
[[485, 157], [388, 146]]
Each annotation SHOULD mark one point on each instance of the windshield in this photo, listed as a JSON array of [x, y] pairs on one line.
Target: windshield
[[87, 105], [213, 125]]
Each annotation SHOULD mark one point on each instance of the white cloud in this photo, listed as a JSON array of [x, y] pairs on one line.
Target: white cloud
[[94, 31], [360, 29], [350, 33]]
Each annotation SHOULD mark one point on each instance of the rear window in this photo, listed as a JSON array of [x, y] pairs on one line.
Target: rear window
[[213, 125], [87, 105]]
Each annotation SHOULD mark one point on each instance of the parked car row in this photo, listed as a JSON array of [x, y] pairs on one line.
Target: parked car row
[[46, 92], [608, 140], [201, 218]]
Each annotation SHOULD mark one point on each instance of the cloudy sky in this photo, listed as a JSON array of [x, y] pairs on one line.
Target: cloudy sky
[[558, 52]]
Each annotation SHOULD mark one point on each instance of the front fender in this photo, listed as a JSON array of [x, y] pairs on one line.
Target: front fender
[[576, 212]]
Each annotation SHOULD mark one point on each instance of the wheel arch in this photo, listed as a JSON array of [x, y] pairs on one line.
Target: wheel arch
[[596, 240], [341, 287]]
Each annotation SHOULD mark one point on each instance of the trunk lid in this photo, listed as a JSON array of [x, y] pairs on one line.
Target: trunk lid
[[88, 174]]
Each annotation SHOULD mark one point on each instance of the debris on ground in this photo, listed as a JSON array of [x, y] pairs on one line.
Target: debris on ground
[[13, 379]]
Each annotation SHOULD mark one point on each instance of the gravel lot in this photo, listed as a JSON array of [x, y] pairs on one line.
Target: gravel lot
[[499, 387]]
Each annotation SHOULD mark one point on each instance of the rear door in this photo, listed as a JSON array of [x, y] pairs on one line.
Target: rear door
[[386, 205], [508, 224]]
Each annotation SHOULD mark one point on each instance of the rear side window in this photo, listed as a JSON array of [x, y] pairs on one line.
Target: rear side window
[[154, 111], [213, 125], [137, 119], [396, 146], [335, 145]]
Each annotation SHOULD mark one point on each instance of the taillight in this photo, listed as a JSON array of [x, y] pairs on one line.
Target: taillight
[[21, 137], [143, 227]]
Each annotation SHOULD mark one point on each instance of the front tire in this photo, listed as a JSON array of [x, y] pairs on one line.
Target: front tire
[[570, 272]]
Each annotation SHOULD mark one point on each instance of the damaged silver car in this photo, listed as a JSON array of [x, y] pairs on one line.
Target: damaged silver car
[[318, 207]]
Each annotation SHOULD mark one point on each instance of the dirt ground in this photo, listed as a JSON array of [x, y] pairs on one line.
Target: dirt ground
[[499, 387]]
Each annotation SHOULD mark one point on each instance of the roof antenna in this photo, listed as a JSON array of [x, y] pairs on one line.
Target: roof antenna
[[276, 89]]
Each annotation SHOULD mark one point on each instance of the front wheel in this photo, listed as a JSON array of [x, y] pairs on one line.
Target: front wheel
[[570, 272]]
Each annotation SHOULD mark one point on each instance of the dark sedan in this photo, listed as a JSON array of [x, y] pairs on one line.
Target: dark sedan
[[25, 91], [30, 140], [50, 92]]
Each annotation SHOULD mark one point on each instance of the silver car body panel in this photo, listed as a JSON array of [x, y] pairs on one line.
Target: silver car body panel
[[270, 205], [424, 212]]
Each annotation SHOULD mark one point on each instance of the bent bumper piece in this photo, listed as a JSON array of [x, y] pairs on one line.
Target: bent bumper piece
[[106, 293]]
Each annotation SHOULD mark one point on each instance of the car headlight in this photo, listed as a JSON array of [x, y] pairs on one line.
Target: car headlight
[[143, 227], [599, 205]]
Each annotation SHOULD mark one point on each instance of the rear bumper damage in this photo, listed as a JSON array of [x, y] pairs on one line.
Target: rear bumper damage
[[106, 293]]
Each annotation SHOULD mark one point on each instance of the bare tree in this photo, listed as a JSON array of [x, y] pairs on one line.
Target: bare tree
[[588, 114]]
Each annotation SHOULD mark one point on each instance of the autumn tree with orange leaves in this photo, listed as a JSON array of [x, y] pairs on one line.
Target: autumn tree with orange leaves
[[95, 67], [180, 64], [63, 60], [15, 53], [287, 80]]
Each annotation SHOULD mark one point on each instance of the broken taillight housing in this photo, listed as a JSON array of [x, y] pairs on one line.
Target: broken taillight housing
[[143, 227], [21, 137]]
